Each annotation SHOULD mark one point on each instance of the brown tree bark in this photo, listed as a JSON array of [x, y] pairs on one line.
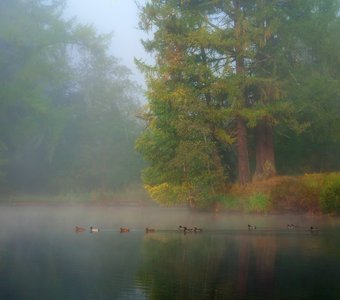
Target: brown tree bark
[[242, 152], [241, 129], [265, 155]]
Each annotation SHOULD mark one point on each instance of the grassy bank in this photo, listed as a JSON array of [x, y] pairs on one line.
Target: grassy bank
[[314, 193], [309, 193]]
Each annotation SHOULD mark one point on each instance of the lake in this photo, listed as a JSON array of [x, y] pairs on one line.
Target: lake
[[42, 257]]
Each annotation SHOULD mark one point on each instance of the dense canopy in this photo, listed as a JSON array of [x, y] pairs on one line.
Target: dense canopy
[[240, 90]]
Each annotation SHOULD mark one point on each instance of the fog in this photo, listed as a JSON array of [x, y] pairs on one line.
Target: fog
[[117, 16], [70, 98], [43, 255], [220, 112], [236, 132], [44, 219]]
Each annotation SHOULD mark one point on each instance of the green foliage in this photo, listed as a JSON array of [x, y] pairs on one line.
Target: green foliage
[[230, 203], [307, 193], [330, 194], [239, 63], [247, 199], [67, 106], [242, 62], [259, 203]]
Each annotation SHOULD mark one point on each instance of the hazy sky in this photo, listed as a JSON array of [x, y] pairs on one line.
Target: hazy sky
[[119, 16]]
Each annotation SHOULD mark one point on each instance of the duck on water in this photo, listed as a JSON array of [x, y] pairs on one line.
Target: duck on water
[[186, 229], [251, 227], [92, 229], [124, 229], [79, 229]]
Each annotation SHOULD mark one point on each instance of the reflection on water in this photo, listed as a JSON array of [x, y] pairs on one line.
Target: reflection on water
[[42, 257]]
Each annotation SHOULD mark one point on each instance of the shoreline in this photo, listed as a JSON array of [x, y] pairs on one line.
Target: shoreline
[[136, 204]]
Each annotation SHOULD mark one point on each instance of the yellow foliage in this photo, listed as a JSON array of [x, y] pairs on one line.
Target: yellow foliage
[[224, 137], [158, 192]]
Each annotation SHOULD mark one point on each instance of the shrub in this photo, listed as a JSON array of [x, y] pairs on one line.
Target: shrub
[[230, 203], [292, 194], [307, 193], [257, 203], [313, 181], [330, 196]]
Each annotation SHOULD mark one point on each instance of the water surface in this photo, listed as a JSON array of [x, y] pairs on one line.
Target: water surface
[[42, 257]]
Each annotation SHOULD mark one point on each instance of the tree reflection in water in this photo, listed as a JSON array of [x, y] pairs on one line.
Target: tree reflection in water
[[227, 266]]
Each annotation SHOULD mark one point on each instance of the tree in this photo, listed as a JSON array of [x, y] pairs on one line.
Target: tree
[[221, 40], [66, 105], [98, 140], [312, 67], [181, 140], [32, 40]]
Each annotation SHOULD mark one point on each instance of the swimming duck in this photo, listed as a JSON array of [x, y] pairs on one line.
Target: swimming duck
[[185, 229], [79, 229], [148, 230], [251, 227], [314, 229], [196, 229], [94, 229], [182, 228], [124, 229], [291, 226]]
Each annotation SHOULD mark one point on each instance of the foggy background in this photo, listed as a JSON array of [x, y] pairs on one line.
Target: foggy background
[[69, 98], [119, 17]]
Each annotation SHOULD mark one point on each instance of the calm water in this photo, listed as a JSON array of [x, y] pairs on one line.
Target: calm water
[[41, 256]]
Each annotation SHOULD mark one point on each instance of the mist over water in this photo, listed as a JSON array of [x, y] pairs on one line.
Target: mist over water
[[250, 90], [42, 257]]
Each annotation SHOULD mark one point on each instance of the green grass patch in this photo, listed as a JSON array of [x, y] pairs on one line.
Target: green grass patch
[[259, 203]]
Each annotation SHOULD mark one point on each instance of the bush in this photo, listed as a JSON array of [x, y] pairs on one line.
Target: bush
[[258, 203], [307, 193], [330, 197], [292, 194], [230, 203]]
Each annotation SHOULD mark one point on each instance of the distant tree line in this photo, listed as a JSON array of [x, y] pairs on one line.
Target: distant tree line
[[240, 90], [67, 107]]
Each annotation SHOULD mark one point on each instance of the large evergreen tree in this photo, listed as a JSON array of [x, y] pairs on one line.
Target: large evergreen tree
[[226, 69], [181, 140]]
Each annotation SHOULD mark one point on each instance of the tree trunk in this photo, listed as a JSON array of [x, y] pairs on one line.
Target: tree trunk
[[242, 143], [242, 152], [265, 156]]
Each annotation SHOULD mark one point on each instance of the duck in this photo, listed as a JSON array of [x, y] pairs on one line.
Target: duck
[[124, 229], [148, 230], [196, 229], [182, 228], [79, 229], [314, 229], [251, 227], [185, 229], [291, 226], [94, 229]]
